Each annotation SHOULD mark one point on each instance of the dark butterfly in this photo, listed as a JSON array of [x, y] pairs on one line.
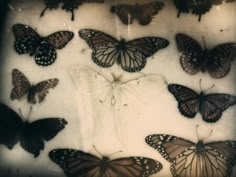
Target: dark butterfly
[[198, 7], [22, 87], [143, 13], [28, 41], [210, 106], [194, 59], [131, 55], [214, 159], [68, 5], [30, 135], [78, 163]]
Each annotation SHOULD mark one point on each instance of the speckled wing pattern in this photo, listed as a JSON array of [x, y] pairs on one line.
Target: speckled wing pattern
[[211, 106], [22, 86], [214, 159], [194, 59], [144, 13], [131, 55], [28, 41], [78, 163]]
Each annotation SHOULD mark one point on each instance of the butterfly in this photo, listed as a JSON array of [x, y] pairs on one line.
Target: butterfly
[[198, 7], [31, 135], [194, 59], [68, 5], [78, 163], [188, 159], [144, 13], [22, 87], [28, 41], [131, 55], [210, 106]]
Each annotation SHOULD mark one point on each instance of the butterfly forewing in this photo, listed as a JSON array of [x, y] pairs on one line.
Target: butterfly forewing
[[21, 85], [59, 39]]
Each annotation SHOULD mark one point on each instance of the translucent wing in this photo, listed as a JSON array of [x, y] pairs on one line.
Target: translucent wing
[[147, 11], [33, 134], [104, 47], [43, 87], [188, 102], [168, 146], [125, 12], [26, 39], [213, 106], [50, 4], [196, 163], [133, 57], [21, 85], [191, 58], [10, 126], [75, 162], [59, 39], [219, 59]]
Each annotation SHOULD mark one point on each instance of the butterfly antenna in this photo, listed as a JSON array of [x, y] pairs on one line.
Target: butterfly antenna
[[204, 42], [200, 84], [198, 138], [178, 14], [209, 135], [43, 11], [115, 153], [31, 107], [21, 113], [97, 151], [199, 17]]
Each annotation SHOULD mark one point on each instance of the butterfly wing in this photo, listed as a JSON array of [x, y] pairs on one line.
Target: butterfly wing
[[21, 85], [133, 58], [26, 39], [103, 45], [213, 106], [59, 39], [182, 6], [218, 63], [168, 146], [125, 12], [43, 87], [188, 102], [76, 163], [34, 133], [10, 125], [147, 11], [191, 58]]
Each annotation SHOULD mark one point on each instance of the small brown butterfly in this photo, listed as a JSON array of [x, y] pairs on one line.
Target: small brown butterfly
[[22, 87], [143, 13]]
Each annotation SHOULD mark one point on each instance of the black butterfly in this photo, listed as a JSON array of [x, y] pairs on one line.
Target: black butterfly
[[22, 87], [78, 163], [188, 159], [131, 55], [143, 13], [30, 135], [198, 7], [210, 106], [68, 5], [193, 59], [28, 41]]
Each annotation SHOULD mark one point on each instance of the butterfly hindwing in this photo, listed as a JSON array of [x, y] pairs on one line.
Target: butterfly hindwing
[[10, 125], [34, 133], [75, 162]]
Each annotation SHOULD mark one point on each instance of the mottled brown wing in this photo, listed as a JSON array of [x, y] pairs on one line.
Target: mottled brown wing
[[59, 39], [21, 85], [43, 87], [124, 12]]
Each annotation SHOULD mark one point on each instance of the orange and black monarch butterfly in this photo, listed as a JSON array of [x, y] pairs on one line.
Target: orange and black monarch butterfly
[[76, 163], [188, 159], [143, 13]]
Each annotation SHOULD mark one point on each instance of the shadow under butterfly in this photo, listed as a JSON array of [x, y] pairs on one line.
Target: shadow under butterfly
[[23, 87], [198, 7], [189, 159], [68, 5], [194, 59], [143, 13], [44, 48], [210, 106], [78, 163], [31, 135], [131, 55]]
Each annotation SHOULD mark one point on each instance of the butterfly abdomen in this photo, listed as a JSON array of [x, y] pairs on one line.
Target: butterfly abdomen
[[121, 48], [31, 95]]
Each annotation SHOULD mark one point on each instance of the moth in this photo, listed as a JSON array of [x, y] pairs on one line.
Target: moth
[[30, 135], [22, 87]]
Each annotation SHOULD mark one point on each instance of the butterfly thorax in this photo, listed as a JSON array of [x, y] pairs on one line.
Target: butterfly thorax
[[104, 165], [205, 56], [200, 147], [34, 45], [121, 47], [31, 94]]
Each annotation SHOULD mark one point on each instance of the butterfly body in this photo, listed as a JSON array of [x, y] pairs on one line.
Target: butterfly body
[[189, 159], [31, 135], [210, 106]]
